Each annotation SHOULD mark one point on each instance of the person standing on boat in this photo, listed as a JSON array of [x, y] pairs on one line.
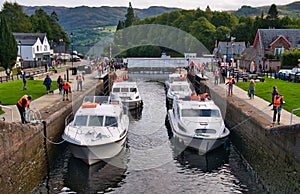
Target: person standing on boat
[[22, 104], [277, 104], [194, 96]]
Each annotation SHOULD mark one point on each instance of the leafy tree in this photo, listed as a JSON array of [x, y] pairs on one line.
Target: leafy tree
[[8, 44], [16, 19], [290, 58]]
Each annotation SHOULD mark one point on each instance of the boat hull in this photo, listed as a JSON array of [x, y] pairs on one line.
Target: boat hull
[[132, 104], [202, 144], [94, 154]]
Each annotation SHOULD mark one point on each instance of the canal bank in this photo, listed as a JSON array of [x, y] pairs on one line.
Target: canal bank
[[272, 152], [25, 153]]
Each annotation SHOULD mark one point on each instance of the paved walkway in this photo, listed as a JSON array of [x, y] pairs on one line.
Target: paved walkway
[[257, 102], [12, 114]]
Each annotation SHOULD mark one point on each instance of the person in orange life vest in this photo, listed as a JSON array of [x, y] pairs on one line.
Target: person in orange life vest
[[230, 85], [216, 75], [125, 76], [67, 89], [194, 96], [277, 103], [22, 104], [204, 96], [79, 79]]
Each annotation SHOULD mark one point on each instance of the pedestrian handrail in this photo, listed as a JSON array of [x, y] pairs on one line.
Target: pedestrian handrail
[[292, 113]]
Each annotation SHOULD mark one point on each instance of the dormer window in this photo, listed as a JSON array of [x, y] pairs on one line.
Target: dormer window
[[278, 52], [37, 49]]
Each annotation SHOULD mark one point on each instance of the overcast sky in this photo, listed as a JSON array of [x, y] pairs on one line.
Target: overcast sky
[[218, 5]]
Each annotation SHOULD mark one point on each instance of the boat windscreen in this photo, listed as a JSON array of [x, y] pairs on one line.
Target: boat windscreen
[[111, 121], [116, 90], [80, 120], [133, 90], [124, 89], [200, 113], [96, 121], [180, 88]]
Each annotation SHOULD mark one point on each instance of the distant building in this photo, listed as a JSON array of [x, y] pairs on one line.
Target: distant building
[[228, 50], [269, 44], [190, 55], [33, 48]]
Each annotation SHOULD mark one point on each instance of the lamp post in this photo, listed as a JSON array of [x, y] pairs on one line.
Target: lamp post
[[20, 44], [71, 35], [60, 51]]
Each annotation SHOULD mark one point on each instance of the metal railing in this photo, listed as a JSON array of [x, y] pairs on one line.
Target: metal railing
[[292, 113]]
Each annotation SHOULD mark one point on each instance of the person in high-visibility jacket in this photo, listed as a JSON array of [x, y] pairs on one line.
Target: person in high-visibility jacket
[[67, 90], [22, 104], [194, 96], [204, 96], [230, 83], [277, 104]]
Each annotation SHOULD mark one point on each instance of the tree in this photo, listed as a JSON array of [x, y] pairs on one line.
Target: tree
[[273, 12], [120, 25], [130, 18], [8, 44], [16, 19]]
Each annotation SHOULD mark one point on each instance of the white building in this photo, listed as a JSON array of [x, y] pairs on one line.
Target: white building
[[33, 48]]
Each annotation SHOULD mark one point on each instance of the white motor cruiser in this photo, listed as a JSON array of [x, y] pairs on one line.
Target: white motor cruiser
[[129, 94], [99, 129], [177, 90], [197, 124]]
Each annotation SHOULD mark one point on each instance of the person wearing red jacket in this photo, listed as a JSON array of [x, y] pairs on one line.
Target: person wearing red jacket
[[22, 104]]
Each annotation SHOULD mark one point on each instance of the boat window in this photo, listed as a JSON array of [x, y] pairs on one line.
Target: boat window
[[96, 121], [116, 89], [205, 131], [124, 89], [111, 121], [180, 88], [200, 113], [133, 90], [80, 120]]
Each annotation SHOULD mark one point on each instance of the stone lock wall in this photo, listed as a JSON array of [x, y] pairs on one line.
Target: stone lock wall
[[270, 152], [25, 155]]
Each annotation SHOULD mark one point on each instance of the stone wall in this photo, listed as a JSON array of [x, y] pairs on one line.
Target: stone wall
[[25, 155], [272, 153]]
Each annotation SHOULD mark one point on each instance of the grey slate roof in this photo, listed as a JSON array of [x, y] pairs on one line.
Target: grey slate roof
[[28, 38], [226, 47], [267, 36]]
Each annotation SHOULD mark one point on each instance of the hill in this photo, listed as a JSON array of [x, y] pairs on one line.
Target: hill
[[90, 24], [292, 10]]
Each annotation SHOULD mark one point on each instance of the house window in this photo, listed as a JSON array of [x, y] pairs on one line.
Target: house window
[[278, 52], [37, 48], [45, 48]]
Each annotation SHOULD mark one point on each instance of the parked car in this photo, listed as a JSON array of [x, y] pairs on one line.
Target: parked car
[[74, 58], [283, 74]]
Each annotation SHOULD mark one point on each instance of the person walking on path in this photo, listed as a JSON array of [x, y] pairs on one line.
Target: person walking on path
[[79, 79], [24, 78], [67, 90], [8, 72], [251, 89], [60, 84], [277, 103], [48, 83], [230, 83], [216, 75], [274, 93], [22, 104]]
